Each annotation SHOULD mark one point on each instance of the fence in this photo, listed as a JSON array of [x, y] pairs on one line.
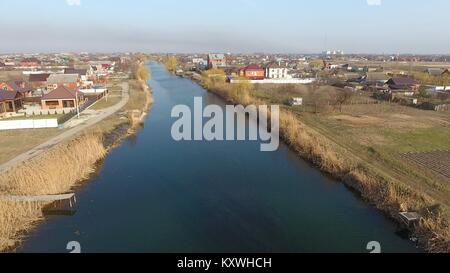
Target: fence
[[28, 124], [73, 113]]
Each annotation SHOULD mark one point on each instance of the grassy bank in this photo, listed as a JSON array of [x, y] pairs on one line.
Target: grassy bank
[[380, 182], [63, 167]]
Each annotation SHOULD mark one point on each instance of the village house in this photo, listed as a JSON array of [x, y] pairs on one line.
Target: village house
[[276, 71], [10, 102], [38, 81], [436, 72], [200, 63], [85, 67], [24, 89], [70, 81], [216, 61], [82, 73], [252, 72], [376, 78], [102, 68], [403, 83], [61, 97]]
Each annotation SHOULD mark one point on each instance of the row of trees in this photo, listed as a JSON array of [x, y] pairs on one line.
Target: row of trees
[[425, 78]]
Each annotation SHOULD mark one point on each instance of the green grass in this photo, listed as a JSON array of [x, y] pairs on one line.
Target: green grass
[[419, 140]]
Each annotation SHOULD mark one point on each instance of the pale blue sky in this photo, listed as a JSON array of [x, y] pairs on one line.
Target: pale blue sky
[[296, 26]]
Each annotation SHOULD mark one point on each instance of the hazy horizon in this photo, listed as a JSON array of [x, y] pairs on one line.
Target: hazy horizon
[[240, 26]]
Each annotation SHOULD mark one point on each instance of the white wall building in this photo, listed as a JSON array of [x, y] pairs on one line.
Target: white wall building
[[276, 71]]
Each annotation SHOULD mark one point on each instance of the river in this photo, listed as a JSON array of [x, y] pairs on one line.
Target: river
[[153, 194]]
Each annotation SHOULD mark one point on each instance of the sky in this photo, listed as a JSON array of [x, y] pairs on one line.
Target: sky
[[237, 26]]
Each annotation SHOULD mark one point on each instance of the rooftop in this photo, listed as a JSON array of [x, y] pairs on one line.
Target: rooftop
[[62, 78]]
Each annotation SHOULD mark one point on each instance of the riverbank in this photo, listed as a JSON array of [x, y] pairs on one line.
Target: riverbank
[[375, 185], [65, 166]]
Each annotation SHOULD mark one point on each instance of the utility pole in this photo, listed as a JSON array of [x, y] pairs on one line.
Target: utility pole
[[78, 105]]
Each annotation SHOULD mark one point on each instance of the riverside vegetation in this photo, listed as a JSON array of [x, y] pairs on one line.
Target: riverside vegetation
[[65, 166], [372, 179]]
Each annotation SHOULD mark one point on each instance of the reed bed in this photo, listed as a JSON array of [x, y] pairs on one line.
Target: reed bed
[[57, 170], [15, 220]]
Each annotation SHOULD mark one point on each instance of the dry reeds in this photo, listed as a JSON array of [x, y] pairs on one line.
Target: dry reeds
[[53, 172], [16, 219], [57, 170]]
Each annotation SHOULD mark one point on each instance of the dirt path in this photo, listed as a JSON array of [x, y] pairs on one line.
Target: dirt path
[[102, 114]]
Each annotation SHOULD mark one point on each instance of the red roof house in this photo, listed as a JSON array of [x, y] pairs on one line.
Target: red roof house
[[62, 97], [10, 101], [252, 72], [38, 80], [24, 88]]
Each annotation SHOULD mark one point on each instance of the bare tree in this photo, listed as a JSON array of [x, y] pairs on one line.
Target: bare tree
[[343, 97]]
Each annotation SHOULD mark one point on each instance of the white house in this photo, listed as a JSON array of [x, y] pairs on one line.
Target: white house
[[276, 71]]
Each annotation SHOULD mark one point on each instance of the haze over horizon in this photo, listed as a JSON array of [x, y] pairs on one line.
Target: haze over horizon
[[239, 26]]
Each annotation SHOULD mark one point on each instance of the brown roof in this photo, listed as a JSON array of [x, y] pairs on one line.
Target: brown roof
[[38, 77], [402, 81], [31, 60], [19, 86], [75, 71], [61, 93], [8, 95], [252, 67], [274, 65]]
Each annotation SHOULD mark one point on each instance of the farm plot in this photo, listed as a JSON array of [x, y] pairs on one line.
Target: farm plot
[[437, 161]]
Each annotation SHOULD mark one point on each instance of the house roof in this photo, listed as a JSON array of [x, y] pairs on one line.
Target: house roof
[[62, 78], [19, 86], [435, 71], [377, 76], [61, 93], [252, 67], [274, 65], [216, 56], [31, 60], [75, 71], [38, 77], [402, 81], [8, 95]]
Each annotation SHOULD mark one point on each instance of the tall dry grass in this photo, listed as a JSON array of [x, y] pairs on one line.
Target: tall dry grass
[[55, 171], [17, 219], [388, 195], [141, 100]]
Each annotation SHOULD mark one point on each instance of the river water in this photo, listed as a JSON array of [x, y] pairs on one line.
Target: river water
[[153, 194]]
